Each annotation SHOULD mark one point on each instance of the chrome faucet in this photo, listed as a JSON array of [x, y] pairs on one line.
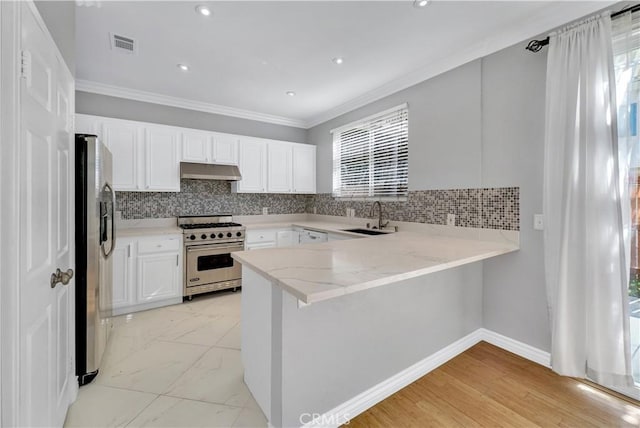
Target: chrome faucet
[[372, 211]]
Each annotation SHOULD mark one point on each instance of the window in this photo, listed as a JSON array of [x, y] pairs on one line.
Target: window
[[371, 156]]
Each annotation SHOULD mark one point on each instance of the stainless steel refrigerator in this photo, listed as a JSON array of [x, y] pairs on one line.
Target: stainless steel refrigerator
[[95, 242]]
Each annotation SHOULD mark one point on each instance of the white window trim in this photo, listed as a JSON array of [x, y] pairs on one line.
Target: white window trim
[[359, 123]]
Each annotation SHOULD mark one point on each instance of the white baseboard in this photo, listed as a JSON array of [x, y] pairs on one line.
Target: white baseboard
[[522, 349], [348, 410]]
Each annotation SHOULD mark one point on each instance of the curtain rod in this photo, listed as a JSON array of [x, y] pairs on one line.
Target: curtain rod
[[537, 45]]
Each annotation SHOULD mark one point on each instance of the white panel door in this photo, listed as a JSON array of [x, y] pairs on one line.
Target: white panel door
[[196, 146], [304, 168], [122, 139], [225, 149], [279, 167], [46, 351], [162, 169], [252, 164], [158, 277]]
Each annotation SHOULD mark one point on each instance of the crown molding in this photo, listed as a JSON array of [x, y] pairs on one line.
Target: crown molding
[[154, 98], [550, 16]]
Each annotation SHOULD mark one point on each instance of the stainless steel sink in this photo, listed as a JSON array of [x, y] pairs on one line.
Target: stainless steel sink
[[365, 231]]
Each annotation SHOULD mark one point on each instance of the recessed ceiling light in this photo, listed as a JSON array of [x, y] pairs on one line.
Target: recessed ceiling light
[[338, 60], [203, 10], [291, 93], [420, 3], [183, 67]]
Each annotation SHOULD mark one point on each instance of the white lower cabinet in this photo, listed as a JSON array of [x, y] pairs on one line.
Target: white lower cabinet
[[147, 273], [157, 277]]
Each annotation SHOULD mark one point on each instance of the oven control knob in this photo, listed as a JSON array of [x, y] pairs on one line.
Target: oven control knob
[[238, 233], [228, 234], [213, 235], [203, 236], [220, 235], [192, 237]]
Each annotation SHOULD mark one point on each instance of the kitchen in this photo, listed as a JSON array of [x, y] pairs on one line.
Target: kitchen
[[477, 183]]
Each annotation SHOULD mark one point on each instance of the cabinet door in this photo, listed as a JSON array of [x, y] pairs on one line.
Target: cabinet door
[[162, 165], [225, 149], [279, 167], [88, 125], [196, 146], [252, 164], [122, 139], [157, 277], [121, 292], [304, 168]]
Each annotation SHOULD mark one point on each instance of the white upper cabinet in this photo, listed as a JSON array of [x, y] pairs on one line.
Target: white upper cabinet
[[225, 149], [209, 147], [304, 168], [279, 179], [122, 138], [162, 169], [276, 167], [196, 146], [252, 163], [146, 156], [88, 125]]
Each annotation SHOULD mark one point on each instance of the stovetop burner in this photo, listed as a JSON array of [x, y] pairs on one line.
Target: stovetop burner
[[208, 225]]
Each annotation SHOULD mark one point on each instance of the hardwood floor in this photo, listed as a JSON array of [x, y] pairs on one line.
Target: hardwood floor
[[489, 387]]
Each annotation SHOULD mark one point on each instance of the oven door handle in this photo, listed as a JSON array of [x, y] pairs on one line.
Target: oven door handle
[[224, 247]]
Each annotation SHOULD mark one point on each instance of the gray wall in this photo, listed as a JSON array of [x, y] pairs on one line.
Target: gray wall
[[444, 131], [513, 87], [60, 17], [330, 351], [480, 125], [120, 108]]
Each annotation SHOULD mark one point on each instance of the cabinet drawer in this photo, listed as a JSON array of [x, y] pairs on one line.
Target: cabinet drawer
[[256, 236], [146, 246]]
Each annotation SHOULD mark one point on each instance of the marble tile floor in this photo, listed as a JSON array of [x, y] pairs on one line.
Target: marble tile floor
[[177, 366]]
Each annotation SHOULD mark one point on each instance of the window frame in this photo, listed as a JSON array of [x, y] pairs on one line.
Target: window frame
[[366, 123]]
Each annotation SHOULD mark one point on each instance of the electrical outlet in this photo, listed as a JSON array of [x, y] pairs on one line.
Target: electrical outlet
[[538, 222], [348, 212], [451, 219], [265, 210], [352, 212]]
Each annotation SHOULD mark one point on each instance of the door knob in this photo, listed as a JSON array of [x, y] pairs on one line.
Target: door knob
[[63, 277]]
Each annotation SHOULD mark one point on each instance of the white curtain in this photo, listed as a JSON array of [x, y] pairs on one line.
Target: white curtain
[[586, 261]]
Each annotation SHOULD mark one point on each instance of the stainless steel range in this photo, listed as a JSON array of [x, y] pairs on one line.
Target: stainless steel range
[[208, 244]]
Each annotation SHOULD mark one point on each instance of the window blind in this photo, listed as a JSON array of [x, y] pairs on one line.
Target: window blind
[[371, 156]]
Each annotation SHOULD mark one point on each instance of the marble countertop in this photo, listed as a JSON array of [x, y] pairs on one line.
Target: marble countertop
[[147, 227], [148, 231], [321, 226], [316, 272]]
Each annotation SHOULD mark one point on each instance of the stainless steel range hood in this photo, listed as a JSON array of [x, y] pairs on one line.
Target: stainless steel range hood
[[203, 171]]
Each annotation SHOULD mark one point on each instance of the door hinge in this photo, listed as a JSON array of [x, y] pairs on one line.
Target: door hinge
[[25, 65]]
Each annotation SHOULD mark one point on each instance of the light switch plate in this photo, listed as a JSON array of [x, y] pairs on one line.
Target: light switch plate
[[538, 222], [451, 219]]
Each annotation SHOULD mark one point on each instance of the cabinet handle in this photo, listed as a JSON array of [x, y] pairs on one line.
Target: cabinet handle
[[129, 251], [177, 261]]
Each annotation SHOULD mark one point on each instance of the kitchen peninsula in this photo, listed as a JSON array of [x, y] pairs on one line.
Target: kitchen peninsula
[[325, 323]]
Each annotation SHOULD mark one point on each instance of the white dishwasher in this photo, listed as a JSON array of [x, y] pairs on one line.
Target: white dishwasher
[[308, 236]]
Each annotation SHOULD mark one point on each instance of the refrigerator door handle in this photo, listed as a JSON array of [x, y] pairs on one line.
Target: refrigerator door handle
[[113, 222]]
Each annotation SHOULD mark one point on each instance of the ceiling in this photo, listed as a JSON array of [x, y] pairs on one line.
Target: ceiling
[[247, 55]]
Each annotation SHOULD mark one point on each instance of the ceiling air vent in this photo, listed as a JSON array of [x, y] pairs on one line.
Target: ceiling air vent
[[123, 44]]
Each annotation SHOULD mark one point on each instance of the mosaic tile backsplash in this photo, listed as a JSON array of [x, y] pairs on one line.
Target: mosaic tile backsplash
[[492, 208]]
